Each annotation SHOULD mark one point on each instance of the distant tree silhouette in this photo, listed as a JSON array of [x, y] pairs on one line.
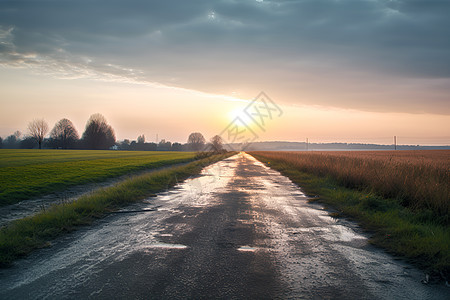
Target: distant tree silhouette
[[98, 134], [177, 147], [217, 143], [151, 146], [37, 129], [64, 135], [164, 145], [17, 134], [124, 145], [11, 142], [196, 141], [27, 143], [141, 139]]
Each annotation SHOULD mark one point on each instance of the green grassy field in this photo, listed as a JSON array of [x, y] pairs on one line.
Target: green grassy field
[[25, 174]]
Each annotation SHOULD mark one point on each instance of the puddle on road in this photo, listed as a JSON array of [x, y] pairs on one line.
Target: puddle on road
[[247, 249], [166, 234], [334, 233], [342, 233], [166, 246]]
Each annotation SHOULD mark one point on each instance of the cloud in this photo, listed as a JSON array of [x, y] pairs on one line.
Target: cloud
[[60, 64], [362, 54]]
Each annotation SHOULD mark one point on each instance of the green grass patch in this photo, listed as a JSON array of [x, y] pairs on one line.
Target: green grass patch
[[22, 236], [415, 234], [25, 174]]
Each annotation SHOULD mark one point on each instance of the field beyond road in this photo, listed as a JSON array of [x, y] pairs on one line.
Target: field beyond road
[[418, 179], [25, 174], [401, 196]]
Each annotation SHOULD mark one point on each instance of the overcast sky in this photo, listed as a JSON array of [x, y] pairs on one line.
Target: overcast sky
[[369, 56]]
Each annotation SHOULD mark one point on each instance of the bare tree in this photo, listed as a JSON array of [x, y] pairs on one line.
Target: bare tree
[[98, 134], [37, 129], [64, 135], [217, 143], [196, 141]]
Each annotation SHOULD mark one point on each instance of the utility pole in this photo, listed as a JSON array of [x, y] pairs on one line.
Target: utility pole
[[157, 138], [395, 142], [307, 142]]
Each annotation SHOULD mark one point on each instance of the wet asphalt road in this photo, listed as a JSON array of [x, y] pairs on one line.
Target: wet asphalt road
[[238, 231]]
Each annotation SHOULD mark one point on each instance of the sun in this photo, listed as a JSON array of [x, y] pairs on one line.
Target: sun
[[239, 113]]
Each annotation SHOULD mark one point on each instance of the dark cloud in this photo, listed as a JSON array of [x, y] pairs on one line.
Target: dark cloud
[[289, 47]]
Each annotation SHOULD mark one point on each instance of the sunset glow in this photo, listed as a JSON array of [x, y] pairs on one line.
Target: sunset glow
[[176, 73]]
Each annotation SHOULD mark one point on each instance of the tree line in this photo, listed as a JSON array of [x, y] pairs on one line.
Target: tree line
[[98, 135]]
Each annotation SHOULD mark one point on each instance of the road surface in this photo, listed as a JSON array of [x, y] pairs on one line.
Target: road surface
[[238, 231]]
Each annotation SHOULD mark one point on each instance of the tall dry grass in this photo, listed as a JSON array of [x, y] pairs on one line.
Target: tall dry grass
[[419, 179]]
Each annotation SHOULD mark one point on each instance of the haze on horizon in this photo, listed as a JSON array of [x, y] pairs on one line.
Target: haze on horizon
[[344, 71]]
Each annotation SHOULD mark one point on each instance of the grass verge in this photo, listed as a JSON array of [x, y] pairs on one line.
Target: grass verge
[[22, 236], [413, 234]]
